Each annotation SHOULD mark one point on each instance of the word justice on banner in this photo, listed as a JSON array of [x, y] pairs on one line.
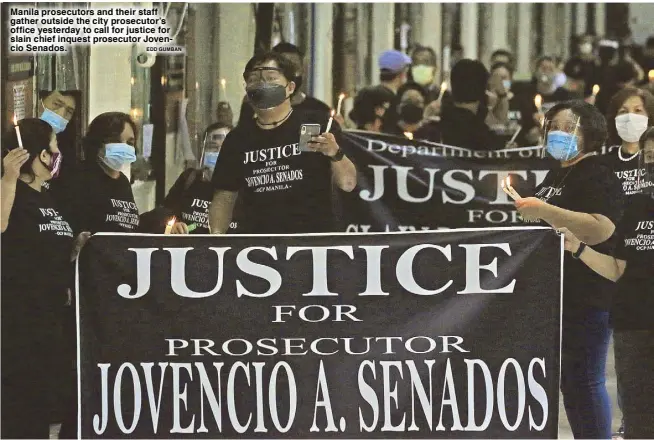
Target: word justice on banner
[[407, 185], [439, 334]]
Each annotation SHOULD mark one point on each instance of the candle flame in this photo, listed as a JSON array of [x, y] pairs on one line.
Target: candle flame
[[171, 222], [223, 82], [15, 119], [408, 135], [650, 75], [508, 180], [132, 80], [197, 85], [596, 89], [443, 86], [341, 96], [538, 101], [333, 113], [163, 80]]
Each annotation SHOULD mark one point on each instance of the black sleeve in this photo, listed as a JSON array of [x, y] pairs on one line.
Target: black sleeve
[[72, 204], [228, 174], [173, 199], [603, 194]]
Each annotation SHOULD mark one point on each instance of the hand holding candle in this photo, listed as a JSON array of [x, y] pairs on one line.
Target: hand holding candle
[[17, 128], [169, 226], [508, 189]]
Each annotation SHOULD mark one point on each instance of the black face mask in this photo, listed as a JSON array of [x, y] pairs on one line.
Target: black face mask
[[411, 113], [266, 96]]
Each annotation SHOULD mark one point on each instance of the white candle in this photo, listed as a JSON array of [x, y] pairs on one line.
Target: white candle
[[223, 86], [341, 97], [329, 124], [169, 226], [20, 139], [508, 189]]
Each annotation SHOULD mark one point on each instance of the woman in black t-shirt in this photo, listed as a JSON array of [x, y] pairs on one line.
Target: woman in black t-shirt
[[191, 195], [584, 196], [630, 113], [99, 197], [632, 314], [36, 267]]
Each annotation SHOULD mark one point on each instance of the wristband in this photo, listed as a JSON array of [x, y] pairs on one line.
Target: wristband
[[338, 156], [192, 227], [577, 254]]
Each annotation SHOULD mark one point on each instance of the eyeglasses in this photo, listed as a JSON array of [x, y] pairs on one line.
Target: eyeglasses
[[263, 74]]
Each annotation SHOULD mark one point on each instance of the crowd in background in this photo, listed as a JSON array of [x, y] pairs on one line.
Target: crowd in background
[[574, 107]]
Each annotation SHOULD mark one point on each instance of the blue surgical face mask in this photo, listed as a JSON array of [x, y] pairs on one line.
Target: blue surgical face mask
[[562, 146], [507, 84], [118, 155], [58, 123], [210, 159]]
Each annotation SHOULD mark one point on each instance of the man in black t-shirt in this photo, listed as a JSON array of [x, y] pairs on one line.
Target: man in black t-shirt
[[285, 190], [463, 121], [299, 100]]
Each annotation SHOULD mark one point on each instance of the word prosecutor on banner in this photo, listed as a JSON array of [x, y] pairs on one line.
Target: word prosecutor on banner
[[442, 334]]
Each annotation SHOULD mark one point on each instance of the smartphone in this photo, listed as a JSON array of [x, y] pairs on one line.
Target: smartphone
[[307, 131]]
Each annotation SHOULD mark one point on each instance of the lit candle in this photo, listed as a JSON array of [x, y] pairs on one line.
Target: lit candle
[[650, 75], [596, 89], [341, 97], [329, 124], [169, 226], [443, 89], [408, 135], [538, 102], [132, 81], [508, 189], [223, 86], [20, 139]]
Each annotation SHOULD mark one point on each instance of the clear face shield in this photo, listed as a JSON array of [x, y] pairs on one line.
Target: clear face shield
[[211, 146], [560, 136], [646, 168]]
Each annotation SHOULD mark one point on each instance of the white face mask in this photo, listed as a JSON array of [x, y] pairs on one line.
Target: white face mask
[[631, 126]]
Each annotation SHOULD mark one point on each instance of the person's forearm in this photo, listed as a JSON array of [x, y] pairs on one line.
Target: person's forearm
[[500, 113], [585, 226], [344, 174], [604, 265], [7, 194], [221, 211]]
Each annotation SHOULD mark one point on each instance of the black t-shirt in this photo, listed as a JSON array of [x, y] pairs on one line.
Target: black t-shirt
[[309, 104], [190, 203], [36, 267], [284, 190], [465, 129], [625, 170], [96, 202], [633, 302], [589, 187]]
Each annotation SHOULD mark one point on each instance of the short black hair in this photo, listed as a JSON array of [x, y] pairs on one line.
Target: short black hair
[[543, 58], [216, 126], [500, 65], [624, 72], [35, 134], [105, 128], [386, 75], [648, 135], [469, 79], [285, 47], [420, 48], [504, 53], [284, 65], [650, 42], [592, 122]]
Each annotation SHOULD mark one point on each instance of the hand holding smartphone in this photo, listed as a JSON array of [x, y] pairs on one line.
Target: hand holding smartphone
[[307, 131]]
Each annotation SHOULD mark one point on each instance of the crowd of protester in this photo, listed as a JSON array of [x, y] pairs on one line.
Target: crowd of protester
[[599, 100]]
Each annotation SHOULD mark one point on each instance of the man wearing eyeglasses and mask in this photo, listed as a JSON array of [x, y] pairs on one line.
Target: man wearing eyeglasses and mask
[[285, 190], [190, 197]]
